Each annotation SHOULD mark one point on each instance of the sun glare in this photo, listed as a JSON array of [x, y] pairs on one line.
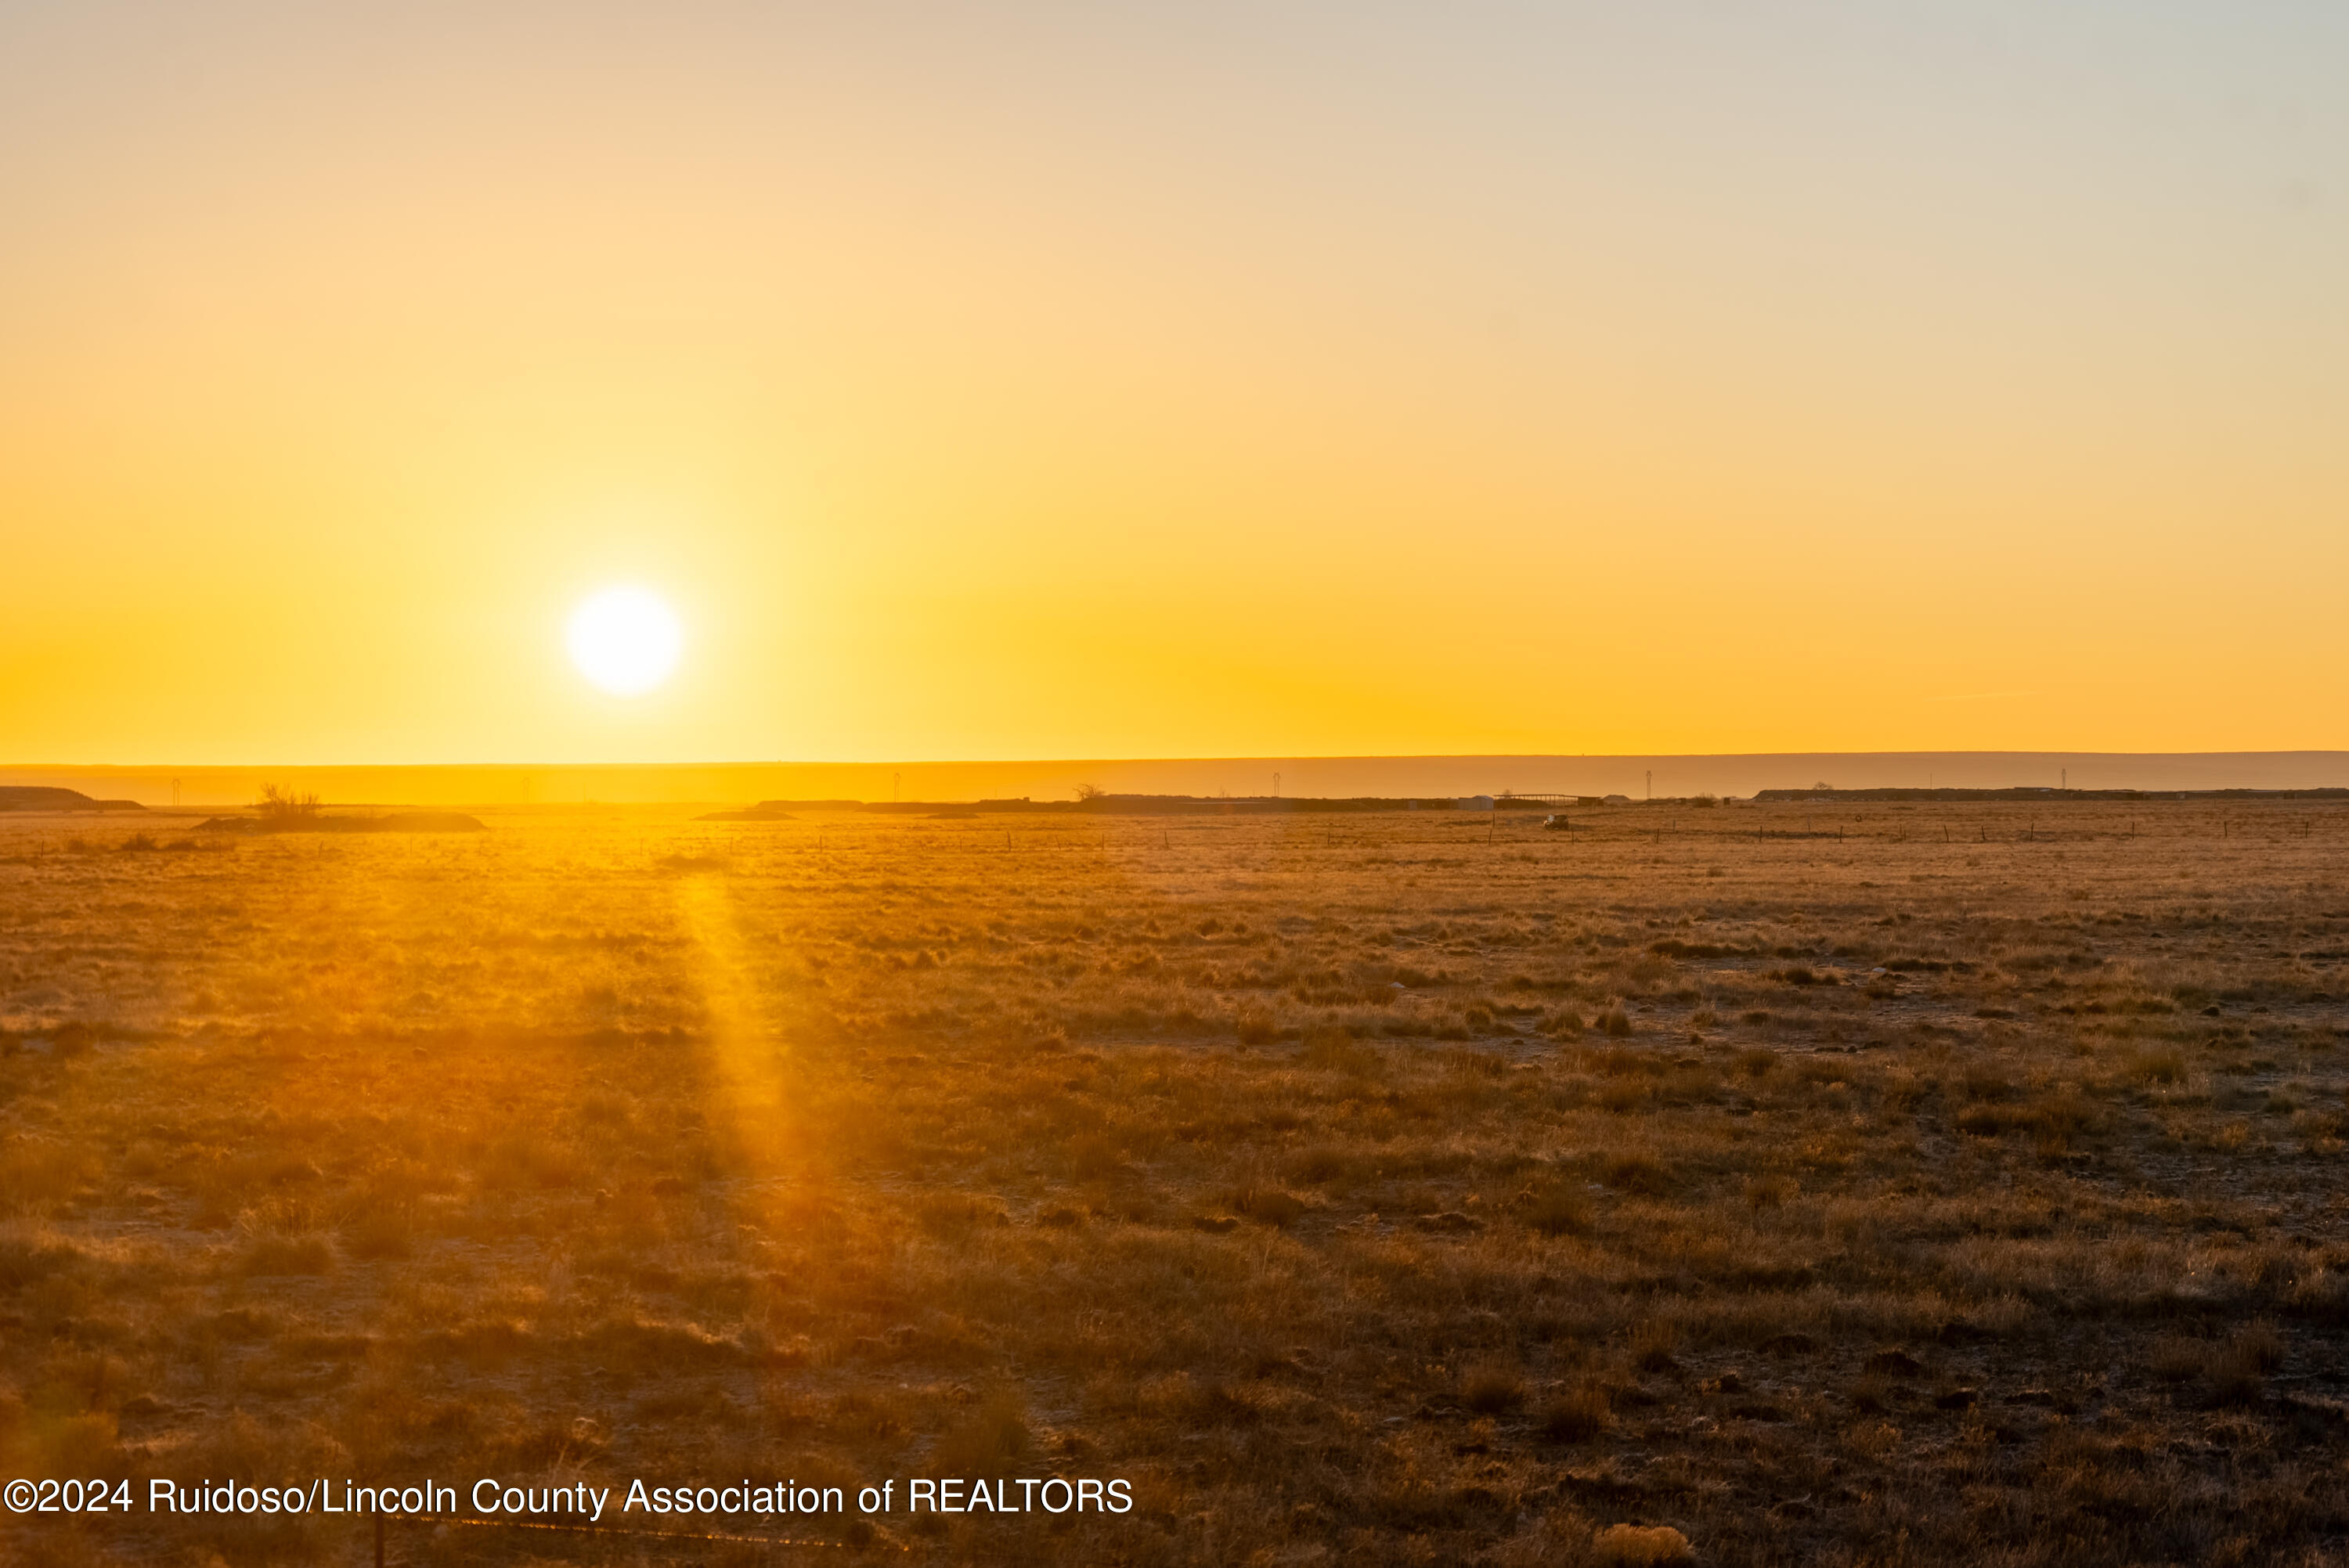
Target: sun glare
[[626, 640]]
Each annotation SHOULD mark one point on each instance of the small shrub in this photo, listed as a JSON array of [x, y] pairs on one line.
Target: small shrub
[[1318, 1164], [1636, 1173], [282, 805], [1492, 1389], [2259, 1345], [1578, 1415], [1624, 1095], [1617, 1061], [1985, 1120], [1269, 1206], [1639, 1545], [2236, 1373], [1987, 1084], [2227, 1381]]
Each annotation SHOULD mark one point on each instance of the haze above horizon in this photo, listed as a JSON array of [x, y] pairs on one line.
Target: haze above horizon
[[1172, 380]]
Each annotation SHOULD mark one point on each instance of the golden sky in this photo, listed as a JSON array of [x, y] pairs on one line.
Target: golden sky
[[1167, 380]]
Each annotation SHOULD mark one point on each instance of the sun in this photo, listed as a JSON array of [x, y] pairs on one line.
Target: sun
[[626, 640]]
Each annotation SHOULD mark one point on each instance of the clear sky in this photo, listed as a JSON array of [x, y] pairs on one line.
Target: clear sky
[[1075, 379]]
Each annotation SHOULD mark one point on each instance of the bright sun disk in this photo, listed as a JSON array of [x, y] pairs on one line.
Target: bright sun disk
[[626, 640]]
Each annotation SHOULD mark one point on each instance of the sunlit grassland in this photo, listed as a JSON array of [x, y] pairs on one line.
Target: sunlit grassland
[[1966, 1188]]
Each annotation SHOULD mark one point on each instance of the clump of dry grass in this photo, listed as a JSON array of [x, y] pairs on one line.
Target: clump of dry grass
[[1653, 1340], [1268, 1205], [2229, 1371]]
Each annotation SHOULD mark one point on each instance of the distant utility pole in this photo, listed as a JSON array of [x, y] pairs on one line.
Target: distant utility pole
[[1276, 786], [894, 778], [1651, 783], [175, 794], [2065, 775]]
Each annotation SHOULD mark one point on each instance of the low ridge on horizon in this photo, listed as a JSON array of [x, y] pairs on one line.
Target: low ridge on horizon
[[1721, 774]]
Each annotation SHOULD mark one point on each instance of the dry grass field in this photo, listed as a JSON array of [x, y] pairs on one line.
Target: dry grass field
[[1945, 1184]]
